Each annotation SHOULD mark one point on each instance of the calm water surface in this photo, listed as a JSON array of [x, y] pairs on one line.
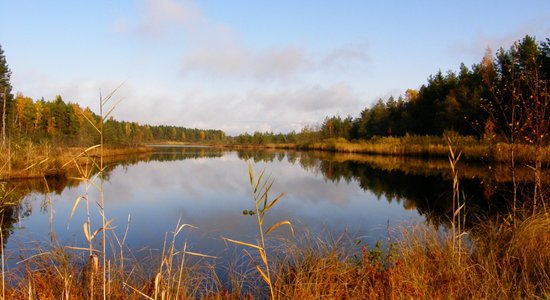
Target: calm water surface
[[209, 188]]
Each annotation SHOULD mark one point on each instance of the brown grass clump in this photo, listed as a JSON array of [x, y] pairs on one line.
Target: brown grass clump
[[501, 262], [65, 273], [431, 266], [515, 259], [340, 269]]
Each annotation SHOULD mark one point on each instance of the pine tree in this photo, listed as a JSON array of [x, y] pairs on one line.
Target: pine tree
[[5, 94]]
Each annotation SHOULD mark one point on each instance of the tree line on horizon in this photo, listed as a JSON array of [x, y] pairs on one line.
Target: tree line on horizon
[[479, 101], [68, 124], [503, 96]]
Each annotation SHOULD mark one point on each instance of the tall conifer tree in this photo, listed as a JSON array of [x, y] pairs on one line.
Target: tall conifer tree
[[5, 94]]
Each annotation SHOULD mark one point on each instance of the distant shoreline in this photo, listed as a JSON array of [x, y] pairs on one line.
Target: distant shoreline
[[61, 161], [56, 161], [178, 146], [418, 146]]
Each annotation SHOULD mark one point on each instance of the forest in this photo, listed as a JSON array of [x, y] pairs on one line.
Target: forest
[[63, 123], [504, 96], [69, 124]]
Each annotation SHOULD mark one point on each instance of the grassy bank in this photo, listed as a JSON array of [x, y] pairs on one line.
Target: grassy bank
[[421, 146], [502, 262], [37, 161], [471, 148]]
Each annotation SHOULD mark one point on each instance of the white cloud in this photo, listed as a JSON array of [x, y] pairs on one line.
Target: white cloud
[[346, 55], [159, 17], [306, 99], [478, 44], [214, 50], [259, 109], [237, 61], [280, 62], [229, 85], [84, 91]]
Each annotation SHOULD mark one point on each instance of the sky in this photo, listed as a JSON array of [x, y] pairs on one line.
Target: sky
[[245, 66]]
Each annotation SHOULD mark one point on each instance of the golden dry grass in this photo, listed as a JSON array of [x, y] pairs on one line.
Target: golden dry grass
[[428, 146], [502, 262], [37, 161], [472, 149]]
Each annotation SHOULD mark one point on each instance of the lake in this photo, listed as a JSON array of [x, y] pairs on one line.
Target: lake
[[325, 194]]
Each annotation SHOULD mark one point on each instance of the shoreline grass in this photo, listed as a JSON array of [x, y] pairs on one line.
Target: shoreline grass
[[501, 262], [417, 146], [38, 161]]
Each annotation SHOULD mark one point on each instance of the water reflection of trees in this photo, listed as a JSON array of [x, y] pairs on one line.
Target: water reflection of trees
[[182, 153], [12, 193], [427, 187], [424, 185], [260, 155]]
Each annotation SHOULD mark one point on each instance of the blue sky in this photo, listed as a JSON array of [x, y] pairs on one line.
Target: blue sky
[[249, 65]]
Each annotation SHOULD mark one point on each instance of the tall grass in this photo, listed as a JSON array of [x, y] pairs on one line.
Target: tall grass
[[458, 203], [262, 204], [502, 262], [29, 160], [426, 146]]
